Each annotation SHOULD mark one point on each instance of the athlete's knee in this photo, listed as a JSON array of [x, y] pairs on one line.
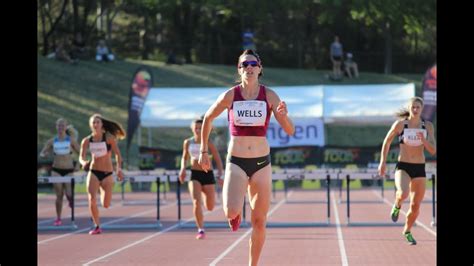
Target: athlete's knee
[[59, 199], [415, 206], [92, 198], [197, 203], [402, 194], [259, 222], [210, 205], [231, 213]]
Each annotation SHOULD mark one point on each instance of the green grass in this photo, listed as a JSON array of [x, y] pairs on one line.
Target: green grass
[[77, 91]]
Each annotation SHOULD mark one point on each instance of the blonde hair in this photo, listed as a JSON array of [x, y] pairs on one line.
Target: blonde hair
[[405, 112], [70, 130], [110, 126]]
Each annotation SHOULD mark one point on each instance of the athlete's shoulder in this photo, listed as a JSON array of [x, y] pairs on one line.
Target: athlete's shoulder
[[231, 90], [86, 139], [227, 96], [429, 124], [268, 90], [398, 123]]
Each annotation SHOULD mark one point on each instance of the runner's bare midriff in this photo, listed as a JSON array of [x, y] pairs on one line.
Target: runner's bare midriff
[[248, 146]]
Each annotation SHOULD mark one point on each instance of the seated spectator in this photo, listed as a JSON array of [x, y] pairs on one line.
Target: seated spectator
[[350, 66], [78, 47], [103, 54], [62, 54], [171, 59]]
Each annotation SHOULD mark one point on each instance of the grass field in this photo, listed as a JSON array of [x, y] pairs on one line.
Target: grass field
[[77, 91]]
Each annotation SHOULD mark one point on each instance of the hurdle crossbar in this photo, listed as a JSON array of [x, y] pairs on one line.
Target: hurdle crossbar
[[61, 179]]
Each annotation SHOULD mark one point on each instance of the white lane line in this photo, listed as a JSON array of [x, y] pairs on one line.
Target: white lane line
[[144, 239], [109, 222], [340, 238], [389, 203], [231, 247]]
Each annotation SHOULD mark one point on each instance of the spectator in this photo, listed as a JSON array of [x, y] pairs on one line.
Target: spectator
[[247, 42], [78, 47], [172, 58], [336, 58], [61, 54], [351, 66], [103, 53]]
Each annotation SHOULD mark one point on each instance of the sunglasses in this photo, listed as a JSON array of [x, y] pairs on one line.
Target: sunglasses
[[247, 63]]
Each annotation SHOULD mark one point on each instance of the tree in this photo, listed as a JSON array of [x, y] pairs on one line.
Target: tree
[[48, 24], [386, 16]]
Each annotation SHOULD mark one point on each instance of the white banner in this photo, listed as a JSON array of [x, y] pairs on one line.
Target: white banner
[[308, 132]]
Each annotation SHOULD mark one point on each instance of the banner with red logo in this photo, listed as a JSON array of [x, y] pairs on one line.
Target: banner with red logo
[[429, 94], [141, 85]]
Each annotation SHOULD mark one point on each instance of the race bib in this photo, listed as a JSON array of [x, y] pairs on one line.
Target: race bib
[[410, 138], [62, 147], [194, 150], [98, 149], [249, 113]]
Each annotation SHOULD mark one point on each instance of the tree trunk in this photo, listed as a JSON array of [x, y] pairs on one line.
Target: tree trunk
[[187, 33], [43, 31], [99, 15], [388, 49], [144, 38], [75, 10], [53, 25]]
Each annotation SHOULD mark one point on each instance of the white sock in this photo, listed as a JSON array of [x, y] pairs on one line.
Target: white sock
[[200, 230]]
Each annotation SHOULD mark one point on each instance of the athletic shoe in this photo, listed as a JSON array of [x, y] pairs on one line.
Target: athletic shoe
[[395, 212], [57, 222], [95, 231], [409, 238], [235, 223], [201, 235]]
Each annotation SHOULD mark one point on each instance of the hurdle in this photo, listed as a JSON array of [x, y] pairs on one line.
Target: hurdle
[[375, 176], [302, 174], [188, 176], [142, 177], [432, 177], [125, 202], [61, 179], [360, 174], [207, 224]]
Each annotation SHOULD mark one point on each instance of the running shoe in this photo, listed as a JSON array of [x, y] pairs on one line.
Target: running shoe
[[57, 222], [395, 212], [95, 231], [409, 238], [235, 223], [201, 235]]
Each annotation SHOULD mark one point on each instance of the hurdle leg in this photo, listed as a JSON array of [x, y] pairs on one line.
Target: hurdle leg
[[340, 188], [328, 192], [158, 199], [433, 200], [178, 196], [73, 184], [348, 200], [122, 187]]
